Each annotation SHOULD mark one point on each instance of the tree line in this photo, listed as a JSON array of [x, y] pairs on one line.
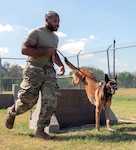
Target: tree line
[[12, 74]]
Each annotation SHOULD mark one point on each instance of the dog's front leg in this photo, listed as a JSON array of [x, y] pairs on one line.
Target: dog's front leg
[[97, 117], [107, 114], [107, 118]]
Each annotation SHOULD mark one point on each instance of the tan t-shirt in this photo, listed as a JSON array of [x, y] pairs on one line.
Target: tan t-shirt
[[44, 39]]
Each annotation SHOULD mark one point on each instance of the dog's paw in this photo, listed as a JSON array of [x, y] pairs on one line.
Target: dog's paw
[[111, 130]]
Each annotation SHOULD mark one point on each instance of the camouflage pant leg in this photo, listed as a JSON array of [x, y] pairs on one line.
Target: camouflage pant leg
[[50, 93], [33, 77]]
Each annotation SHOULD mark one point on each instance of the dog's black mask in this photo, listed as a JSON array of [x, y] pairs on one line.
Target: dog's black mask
[[111, 84]]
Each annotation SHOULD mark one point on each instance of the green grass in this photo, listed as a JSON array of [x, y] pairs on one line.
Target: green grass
[[124, 138], [6, 92], [124, 104]]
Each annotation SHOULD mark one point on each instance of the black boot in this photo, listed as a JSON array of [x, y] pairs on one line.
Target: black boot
[[41, 134], [10, 118]]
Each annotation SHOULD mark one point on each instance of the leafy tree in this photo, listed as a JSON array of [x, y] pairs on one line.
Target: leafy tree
[[10, 74], [15, 71], [65, 83], [13, 74], [98, 73], [125, 79]]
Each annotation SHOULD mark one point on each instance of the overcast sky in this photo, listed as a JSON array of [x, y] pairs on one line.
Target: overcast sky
[[85, 26]]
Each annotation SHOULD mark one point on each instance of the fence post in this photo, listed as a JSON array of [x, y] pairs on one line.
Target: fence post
[[15, 89]]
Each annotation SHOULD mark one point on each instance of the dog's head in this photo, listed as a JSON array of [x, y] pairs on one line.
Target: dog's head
[[77, 77], [81, 74], [111, 84]]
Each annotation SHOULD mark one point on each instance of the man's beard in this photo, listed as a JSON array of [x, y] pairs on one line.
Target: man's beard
[[51, 28]]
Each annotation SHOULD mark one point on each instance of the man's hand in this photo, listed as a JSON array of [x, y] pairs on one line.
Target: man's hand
[[62, 70]]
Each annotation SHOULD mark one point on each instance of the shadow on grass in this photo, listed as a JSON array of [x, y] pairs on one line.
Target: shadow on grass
[[114, 137], [124, 132], [125, 128]]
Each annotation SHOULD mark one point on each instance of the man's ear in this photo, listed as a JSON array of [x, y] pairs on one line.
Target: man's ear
[[106, 78]]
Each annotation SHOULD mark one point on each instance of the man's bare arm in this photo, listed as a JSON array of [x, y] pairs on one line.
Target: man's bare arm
[[28, 48], [59, 63]]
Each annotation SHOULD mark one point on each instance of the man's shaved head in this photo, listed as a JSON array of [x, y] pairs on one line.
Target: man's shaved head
[[52, 20], [51, 14]]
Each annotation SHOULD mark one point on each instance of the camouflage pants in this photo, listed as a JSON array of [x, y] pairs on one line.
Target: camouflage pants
[[37, 79]]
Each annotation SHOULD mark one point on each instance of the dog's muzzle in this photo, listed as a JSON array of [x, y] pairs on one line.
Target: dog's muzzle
[[113, 87], [73, 83]]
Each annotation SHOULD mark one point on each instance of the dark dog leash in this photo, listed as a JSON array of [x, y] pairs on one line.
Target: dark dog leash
[[70, 64]]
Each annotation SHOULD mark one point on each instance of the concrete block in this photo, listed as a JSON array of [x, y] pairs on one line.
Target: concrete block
[[15, 89], [53, 126], [113, 118]]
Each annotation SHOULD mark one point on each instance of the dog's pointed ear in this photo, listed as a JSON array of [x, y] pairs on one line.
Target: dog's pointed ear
[[106, 78]]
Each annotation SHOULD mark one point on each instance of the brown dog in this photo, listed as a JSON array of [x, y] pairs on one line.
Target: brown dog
[[98, 94]]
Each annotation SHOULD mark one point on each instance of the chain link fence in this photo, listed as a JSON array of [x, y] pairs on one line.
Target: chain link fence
[[110, 59]]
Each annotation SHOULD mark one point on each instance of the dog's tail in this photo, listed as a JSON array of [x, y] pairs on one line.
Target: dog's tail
[[71, 66]]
